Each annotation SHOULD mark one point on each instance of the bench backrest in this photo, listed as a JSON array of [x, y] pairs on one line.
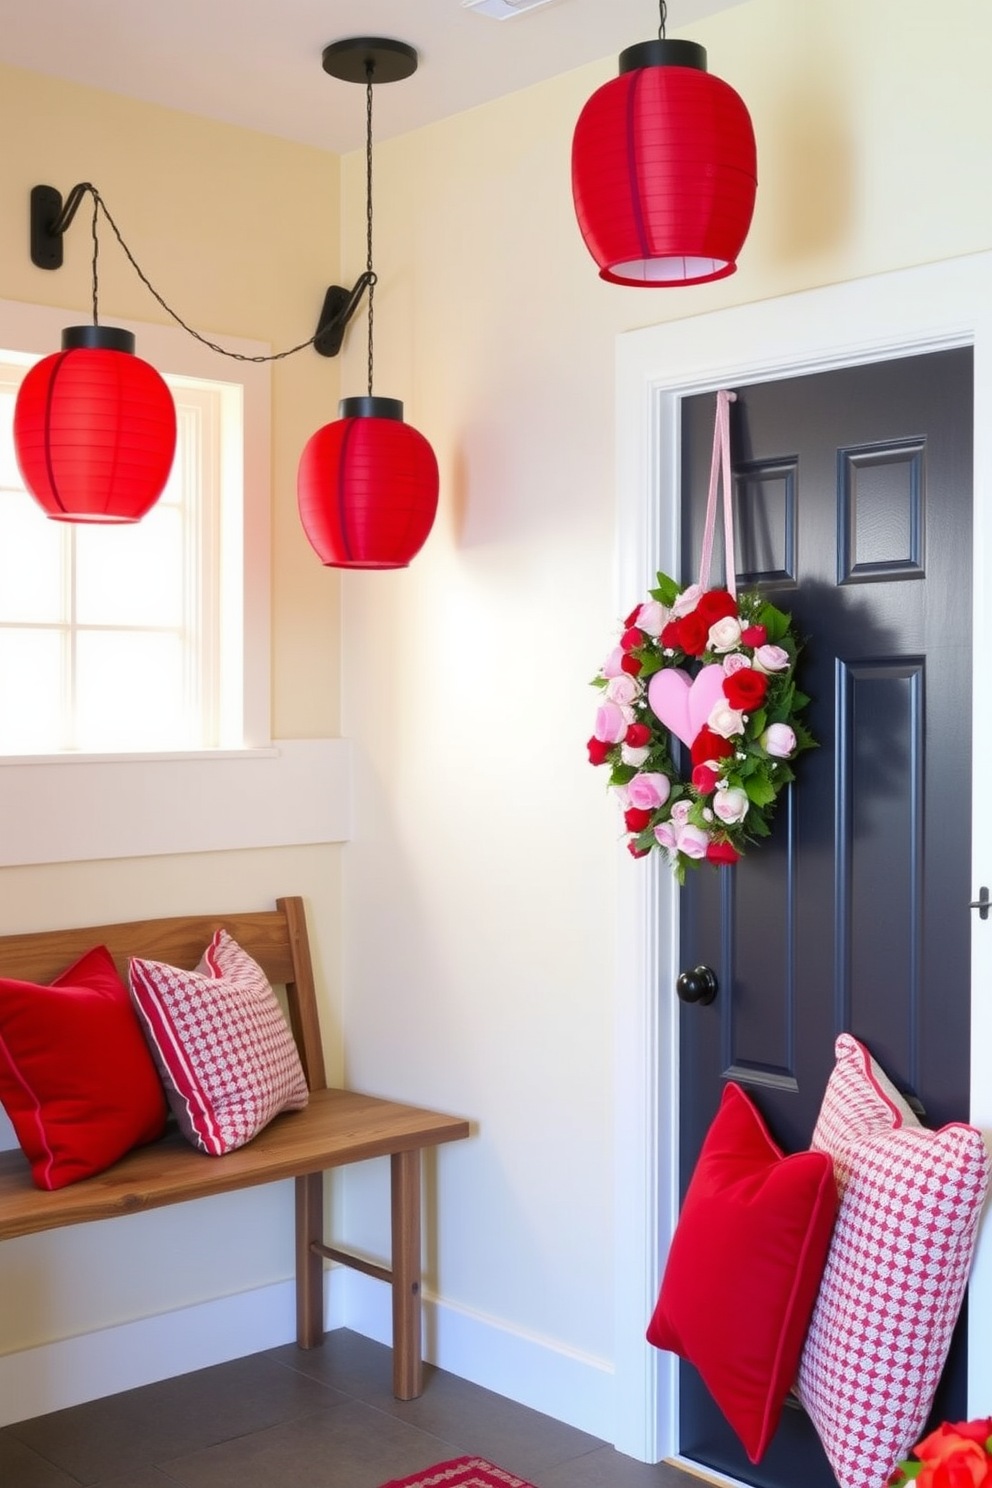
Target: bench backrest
[[276, 939]]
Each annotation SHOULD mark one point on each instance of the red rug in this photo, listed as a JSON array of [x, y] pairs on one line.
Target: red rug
[[460, 1472]]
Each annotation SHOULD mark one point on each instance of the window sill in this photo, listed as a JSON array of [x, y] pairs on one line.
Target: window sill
[[75, 808]]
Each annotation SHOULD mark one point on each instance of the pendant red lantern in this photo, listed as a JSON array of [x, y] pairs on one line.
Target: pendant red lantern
[[94, 429], [664, 170], [367, 487]]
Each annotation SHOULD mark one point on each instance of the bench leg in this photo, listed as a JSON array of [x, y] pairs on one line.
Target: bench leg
[[408, 1381], [309, 1263]]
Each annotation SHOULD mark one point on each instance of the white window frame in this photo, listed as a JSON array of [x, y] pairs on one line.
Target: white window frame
[[249, 792]]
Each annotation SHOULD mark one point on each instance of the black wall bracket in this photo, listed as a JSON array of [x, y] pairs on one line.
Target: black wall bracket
[[49, 220], [339, 306]]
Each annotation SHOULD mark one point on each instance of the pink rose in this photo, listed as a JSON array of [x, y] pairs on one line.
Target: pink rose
[[612, 666], [735, 662], [665, 835], [725, 634], [623, 689], [687, 601], [610, 724], [649, 790], [693, 841], [731, 805], [680, 812], [778, 740], [652, 618], [725, 720], [771, 659]]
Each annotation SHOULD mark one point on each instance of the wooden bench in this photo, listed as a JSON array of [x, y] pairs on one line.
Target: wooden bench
[[337, 1127]]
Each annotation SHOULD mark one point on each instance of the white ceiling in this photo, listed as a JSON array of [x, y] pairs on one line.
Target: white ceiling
[[258, 62]]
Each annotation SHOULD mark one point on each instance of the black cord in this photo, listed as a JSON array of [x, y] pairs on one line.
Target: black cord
[[663, 14], [99, 205], [369, 69]]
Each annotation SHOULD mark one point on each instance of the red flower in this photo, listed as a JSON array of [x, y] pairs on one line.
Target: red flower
[[704, 779], [599, 752], [693, 633], [745, 689], [710, 746], [722, 852], [635, 851], [635, 819], [755, 635], [631, 639], [632, 617], [637, 735], [629, 663], [714, 605], [670, 636]]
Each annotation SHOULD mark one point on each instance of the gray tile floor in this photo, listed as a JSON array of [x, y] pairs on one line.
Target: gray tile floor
[[310, 1420]]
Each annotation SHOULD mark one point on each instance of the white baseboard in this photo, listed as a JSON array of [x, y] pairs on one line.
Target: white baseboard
[[532, 1371]]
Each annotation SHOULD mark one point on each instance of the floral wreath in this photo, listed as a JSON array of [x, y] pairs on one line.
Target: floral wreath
[[736, 711]]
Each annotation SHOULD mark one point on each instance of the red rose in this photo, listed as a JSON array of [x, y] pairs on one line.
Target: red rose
[[721, 852], [631, 639], [745, 689], [707, 745], [693, 632], [632, 617], [637, 852], [670, 635], [599, 752], [635, 819], [704, 779], [629, 663], [714, 605], [755, 635], [637, 735]]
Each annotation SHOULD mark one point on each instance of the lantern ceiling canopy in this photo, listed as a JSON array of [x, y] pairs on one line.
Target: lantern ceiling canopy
[[664, 169]]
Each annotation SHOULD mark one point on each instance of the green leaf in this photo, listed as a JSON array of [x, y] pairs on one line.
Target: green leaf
[[760, 790], [622, 774], [776, 623], [667, 591], [599, 681]]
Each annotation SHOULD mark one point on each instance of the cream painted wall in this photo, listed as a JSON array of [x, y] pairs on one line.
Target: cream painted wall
[[240, 233], [480, 893]]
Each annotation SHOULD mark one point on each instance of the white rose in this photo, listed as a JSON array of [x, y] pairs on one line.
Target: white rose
[[623, 689], [632, 755], [725, 634], [731, 805], [725, 720]]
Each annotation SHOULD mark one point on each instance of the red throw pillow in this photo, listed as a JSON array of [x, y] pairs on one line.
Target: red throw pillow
[[76, 1078], [226, 1055], [744, 1267]]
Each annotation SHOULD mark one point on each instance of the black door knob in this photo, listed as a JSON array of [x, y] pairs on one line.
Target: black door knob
[[698, 985]]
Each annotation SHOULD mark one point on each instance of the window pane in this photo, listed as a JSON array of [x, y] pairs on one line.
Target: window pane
[[31, 571], [9, 473], [129, 692], [31, 691], [131, 575]]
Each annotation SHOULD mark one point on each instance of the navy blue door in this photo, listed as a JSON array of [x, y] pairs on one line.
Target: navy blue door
[[853, 505]]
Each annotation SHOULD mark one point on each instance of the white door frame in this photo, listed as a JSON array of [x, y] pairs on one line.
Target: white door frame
[[913, 310]]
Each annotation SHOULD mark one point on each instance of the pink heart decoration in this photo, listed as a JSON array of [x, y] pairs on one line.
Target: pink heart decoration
[[682, 704]]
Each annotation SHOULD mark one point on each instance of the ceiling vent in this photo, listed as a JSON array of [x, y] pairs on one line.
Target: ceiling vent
[[503, 10]]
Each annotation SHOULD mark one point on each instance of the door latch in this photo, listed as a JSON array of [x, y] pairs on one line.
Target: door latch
[[982, 903]]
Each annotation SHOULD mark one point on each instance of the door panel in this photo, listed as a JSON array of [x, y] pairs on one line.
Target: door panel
[[852, 494]]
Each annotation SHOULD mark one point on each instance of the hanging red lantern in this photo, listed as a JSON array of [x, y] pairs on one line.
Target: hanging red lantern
[[367, 487], [94, 429], [664, 170]]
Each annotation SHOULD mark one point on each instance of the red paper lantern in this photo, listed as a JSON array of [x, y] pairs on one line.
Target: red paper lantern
[[367, 487], [664, 170], [94, 429]]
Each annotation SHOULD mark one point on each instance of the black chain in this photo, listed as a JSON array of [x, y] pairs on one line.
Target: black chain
[[663, 14], [369, 69], [99, 205]]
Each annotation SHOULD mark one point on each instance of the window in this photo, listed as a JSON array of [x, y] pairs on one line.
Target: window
[[137, 637]]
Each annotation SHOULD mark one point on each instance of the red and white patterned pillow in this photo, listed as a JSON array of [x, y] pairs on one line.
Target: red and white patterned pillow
[[224, 1051], [896, 1271]]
